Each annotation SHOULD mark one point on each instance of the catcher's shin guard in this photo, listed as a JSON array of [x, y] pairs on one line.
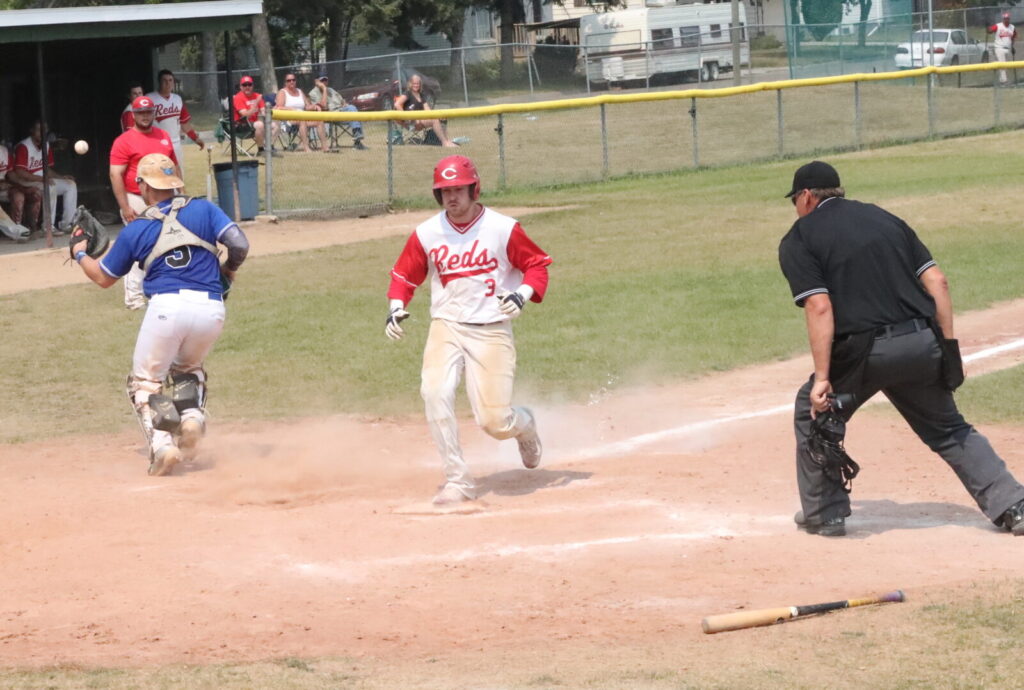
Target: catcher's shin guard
[[141, 411]]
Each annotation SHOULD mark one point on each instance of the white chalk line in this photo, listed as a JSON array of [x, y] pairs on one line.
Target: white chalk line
[[635, 442]]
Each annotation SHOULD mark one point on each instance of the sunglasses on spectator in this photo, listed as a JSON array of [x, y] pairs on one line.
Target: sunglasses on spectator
[[292, 79], [245, 84]]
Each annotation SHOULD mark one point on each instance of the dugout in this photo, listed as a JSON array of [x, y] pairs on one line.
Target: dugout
[[83, 59]]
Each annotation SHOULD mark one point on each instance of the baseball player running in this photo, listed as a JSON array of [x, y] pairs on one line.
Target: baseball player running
[[174, 241], [173, 117], [483, 269]]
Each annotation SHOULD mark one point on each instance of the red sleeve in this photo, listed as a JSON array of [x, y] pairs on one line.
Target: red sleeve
[[49, 155], [525, 255], [409, 272], [186, 116], [119, 153], [127, 120], [992, 29], [21, 157]]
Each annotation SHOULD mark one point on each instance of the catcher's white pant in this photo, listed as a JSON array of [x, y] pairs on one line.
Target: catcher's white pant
[[133, 295], [177, 334], [488, 356], [1002, 55], [68, 191]]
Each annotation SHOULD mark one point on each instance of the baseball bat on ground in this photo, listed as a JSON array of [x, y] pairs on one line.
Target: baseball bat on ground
[[751, 619]]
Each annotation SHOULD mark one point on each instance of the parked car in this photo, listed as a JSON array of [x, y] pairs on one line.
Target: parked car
[[376, 90], [952, 47]]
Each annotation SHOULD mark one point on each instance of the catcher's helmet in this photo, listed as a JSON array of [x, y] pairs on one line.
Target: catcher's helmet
[[456, 171]]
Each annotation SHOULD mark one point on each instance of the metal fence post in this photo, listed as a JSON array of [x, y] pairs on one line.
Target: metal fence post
[[931, 107], [604, 145], [268, 153], [529, 72], [500, 129], [997, 104], [693, 121], [781, 122], [647, 66], [391, 161], [586, 66], [462, 66], [856, 115]]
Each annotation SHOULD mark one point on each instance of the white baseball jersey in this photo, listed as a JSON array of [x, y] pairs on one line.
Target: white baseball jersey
[[170, 115], [29, 157], [1004, 35], [469, 266]]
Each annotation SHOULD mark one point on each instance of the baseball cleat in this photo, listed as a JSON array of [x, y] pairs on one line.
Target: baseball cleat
[[191, 434], [833, 527], [164, 461], [449, 495], [529, 445], [1013, 519]]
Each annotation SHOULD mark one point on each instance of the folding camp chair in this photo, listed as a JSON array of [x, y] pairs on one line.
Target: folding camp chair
[[245, 135]]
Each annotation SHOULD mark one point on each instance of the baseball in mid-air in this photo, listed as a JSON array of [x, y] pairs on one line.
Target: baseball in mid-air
[[81, 147]]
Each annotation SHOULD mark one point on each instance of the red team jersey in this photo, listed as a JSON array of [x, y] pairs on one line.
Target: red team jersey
[[127, 118], [133, 145], [28, 156], [469, 266]]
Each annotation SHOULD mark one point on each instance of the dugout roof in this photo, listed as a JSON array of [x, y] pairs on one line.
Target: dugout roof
[[166, 21]]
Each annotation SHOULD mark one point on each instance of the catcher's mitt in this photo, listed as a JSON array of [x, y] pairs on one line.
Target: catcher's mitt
[[85, 227]]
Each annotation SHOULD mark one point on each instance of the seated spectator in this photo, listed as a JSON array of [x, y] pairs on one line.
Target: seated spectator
[[28, 172], [412, 99], [25, 202], [127, 116], [249, 108], [292, 98], [330, 100]]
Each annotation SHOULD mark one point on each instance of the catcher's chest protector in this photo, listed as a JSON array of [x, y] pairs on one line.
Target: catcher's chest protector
[[173, 234]]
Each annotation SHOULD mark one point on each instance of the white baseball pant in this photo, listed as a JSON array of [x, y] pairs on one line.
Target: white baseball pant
[[488, 356], [1002, 55], [134, 298], [177, 334]]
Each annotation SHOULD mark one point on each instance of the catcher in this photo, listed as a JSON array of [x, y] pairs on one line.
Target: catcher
[[174, 242]]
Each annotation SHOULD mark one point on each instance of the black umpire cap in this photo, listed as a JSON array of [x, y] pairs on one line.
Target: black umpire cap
[[814, 175]]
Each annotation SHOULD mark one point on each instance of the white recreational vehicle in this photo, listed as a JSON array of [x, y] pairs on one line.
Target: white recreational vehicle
[[636, 44]]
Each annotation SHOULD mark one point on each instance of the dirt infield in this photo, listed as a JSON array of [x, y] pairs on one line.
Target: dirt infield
[[306, 539]]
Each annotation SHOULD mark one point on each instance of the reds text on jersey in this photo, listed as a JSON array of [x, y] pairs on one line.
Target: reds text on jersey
[[469, 266], [170, 114], [29, 157]]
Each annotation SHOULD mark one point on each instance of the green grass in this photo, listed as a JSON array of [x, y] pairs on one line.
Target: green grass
[[994, 398], [656, 278]]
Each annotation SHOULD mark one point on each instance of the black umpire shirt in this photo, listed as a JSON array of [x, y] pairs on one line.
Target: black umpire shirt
[[864, 258]]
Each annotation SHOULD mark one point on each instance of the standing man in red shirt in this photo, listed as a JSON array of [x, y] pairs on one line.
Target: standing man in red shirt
[[125, 154], [248, 110], [127, 116]]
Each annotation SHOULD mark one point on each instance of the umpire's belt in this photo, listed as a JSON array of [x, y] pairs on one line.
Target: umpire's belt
[[905, 328]]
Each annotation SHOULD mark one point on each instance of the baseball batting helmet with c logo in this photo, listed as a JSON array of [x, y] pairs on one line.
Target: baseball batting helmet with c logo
[[456, 171]]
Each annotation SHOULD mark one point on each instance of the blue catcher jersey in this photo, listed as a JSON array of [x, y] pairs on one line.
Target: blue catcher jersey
[[184, 268]]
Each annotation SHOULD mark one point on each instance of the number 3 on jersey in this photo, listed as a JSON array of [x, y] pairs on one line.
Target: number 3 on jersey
[[180, 257], [491, 287]]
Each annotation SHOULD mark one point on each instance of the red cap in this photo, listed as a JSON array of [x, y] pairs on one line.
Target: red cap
[[246, 80], [1006, 15], [142, 104]]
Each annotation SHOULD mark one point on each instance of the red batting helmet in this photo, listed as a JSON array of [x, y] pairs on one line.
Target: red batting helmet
[[456, 171]]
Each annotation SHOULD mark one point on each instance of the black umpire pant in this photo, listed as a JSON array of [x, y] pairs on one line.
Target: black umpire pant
[[906, 368]]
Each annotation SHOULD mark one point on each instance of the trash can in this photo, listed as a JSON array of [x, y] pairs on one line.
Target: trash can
[[248, 189]]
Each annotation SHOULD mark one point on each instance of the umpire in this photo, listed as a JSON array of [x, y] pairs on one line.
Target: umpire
[[879, 318]]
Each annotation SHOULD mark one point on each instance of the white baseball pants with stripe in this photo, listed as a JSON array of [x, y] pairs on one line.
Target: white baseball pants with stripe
[[487, 355], [177, 334]]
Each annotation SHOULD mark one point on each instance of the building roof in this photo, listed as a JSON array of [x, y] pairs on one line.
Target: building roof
[[113, 21]]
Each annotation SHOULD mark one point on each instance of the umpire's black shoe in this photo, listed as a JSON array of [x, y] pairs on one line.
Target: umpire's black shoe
[[833, 527], [1013, 519], [358, 145]]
